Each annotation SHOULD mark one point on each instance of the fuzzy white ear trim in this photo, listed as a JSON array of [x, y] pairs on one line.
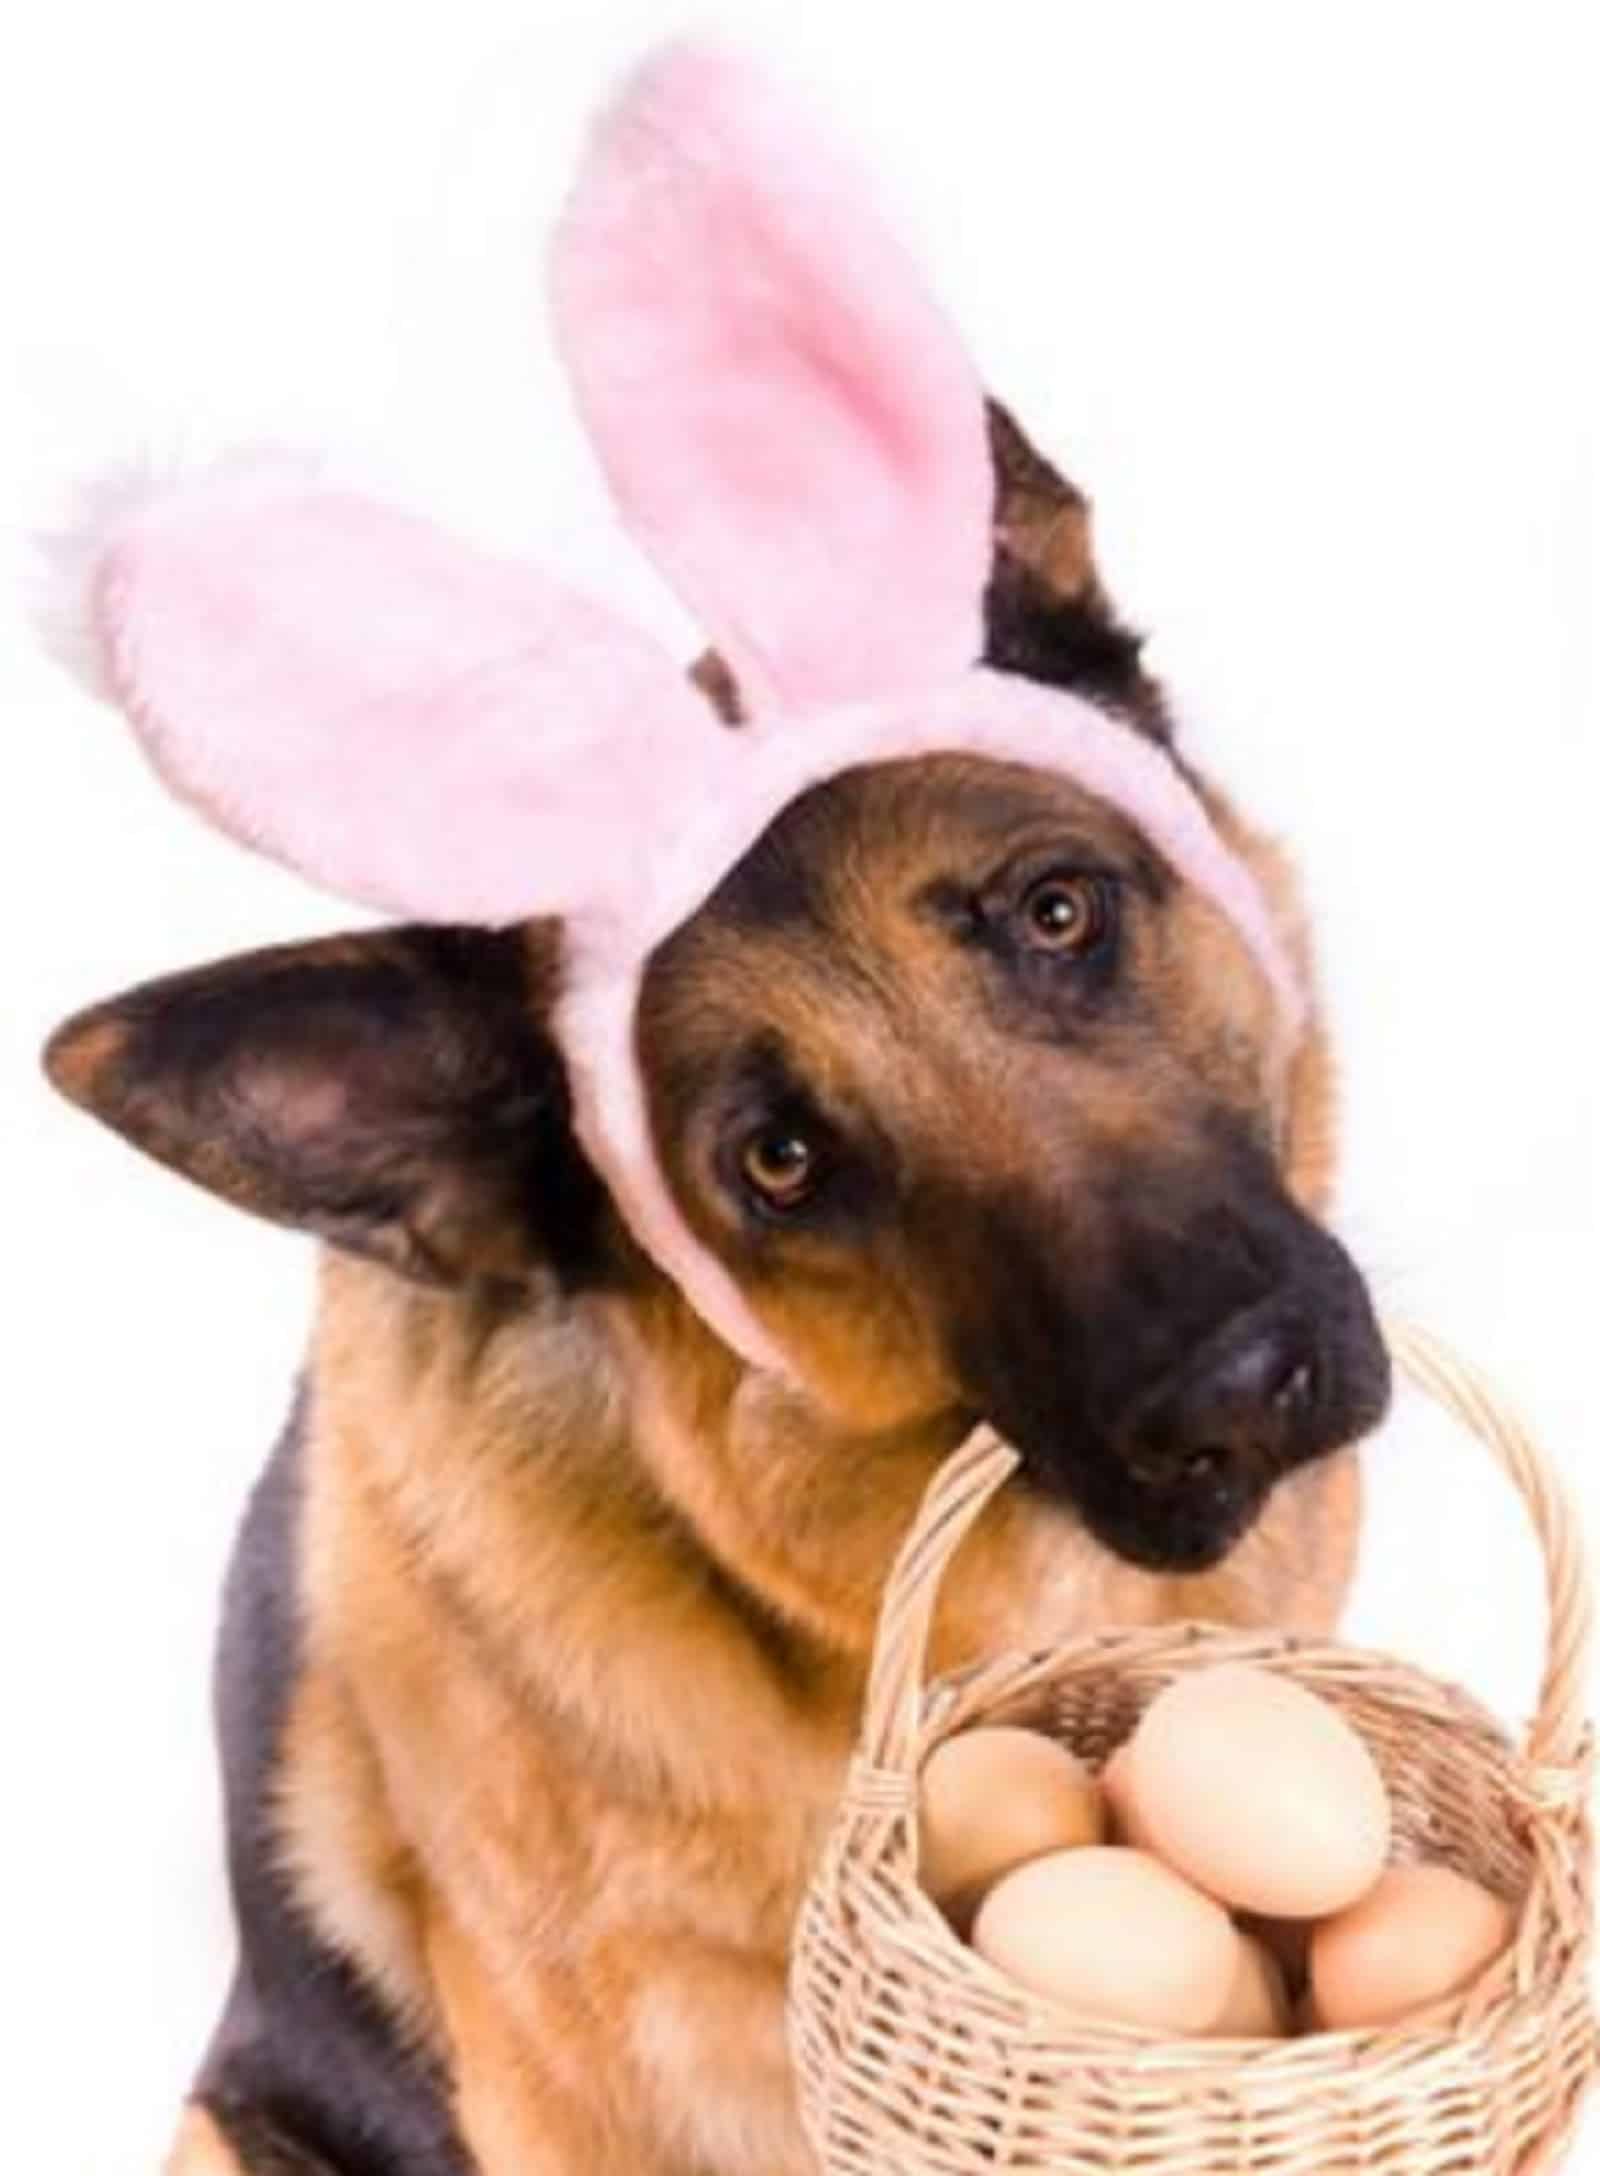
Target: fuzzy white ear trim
[[65, 563], [69, 555]]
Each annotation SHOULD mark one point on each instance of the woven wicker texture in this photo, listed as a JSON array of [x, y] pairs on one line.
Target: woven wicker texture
[[915, 2058]]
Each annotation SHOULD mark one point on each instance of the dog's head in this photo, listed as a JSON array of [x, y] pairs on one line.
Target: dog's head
[[976, 1098]]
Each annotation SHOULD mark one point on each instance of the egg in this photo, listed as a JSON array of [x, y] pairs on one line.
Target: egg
[[1257, 2004], [1422, 1933], [992, 1799], [1111, 1933], [1258, 1792]]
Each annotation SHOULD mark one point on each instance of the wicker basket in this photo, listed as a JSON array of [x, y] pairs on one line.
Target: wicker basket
[[915, 2058]]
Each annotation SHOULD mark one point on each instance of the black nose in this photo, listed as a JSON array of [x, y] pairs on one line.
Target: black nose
[[1246, 1400]]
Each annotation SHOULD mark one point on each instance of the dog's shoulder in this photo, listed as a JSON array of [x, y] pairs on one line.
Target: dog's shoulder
[[310, 2058]]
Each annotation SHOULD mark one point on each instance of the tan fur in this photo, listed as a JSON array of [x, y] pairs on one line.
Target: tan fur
[[1040, 519], [201, 2150], [350, 1867]]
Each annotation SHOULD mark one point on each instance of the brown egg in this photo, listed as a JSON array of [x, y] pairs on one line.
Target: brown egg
[[1258, 1792], [1111, 1933], [1257, 2006], [993, 1799], [1422, 1933]]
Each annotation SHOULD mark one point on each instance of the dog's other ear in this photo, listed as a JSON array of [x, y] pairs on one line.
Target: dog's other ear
[[1046, 613], [394, 1092]]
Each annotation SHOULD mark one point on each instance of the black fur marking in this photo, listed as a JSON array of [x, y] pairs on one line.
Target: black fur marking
[[308, 2075], [1065, 643], [1085, 1354], [780, 882], [264, 2150]]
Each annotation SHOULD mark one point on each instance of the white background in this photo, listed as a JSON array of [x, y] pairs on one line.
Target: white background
[[1297, 292]]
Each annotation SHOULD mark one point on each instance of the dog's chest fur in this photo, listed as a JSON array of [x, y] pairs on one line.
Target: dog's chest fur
[[556, 1765]]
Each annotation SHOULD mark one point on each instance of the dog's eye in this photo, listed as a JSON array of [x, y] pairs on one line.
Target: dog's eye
[[1067, 913], [780, 1165]]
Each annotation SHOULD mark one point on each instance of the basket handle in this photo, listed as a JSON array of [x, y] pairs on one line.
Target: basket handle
[[973, 1475], [1558, 1736]]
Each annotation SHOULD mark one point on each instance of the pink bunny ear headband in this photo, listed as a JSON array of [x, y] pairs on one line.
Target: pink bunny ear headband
[[794, 434]]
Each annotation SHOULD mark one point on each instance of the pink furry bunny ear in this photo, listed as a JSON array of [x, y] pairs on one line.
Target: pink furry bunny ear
[[789, 425], [420, 726]]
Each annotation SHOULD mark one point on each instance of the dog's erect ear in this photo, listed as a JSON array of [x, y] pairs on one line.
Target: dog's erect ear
[[1046, 613], [393, 1092]]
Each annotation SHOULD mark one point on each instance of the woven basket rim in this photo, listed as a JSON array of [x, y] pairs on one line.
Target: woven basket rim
[[1193, 1634]]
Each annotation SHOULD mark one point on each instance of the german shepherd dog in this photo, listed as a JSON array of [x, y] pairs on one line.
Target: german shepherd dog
[[545, 1640]]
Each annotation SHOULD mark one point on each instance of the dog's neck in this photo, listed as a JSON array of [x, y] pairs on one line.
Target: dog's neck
[[499, 1453]]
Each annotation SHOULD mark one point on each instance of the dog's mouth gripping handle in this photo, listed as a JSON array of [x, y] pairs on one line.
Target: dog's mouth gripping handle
[[1556, 1747]]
